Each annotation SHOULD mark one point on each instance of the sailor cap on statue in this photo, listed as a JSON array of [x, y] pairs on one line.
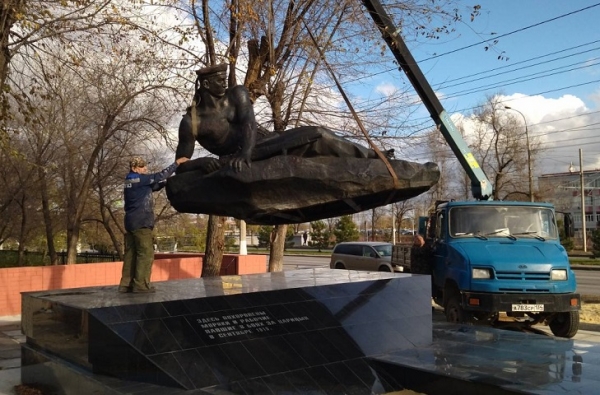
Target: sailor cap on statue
[[208, 71], [137, 161]]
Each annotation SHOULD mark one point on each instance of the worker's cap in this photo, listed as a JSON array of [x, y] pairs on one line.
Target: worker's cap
[[209, 71], [137, 161]]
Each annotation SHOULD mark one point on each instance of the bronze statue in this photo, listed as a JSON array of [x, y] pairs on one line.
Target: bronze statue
[[301, 175], [225, 126]]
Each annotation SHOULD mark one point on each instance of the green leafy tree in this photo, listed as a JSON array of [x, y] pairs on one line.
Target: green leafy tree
[[319, 235], [596, 243], [345, 230], [289, 237], [565, 241], [264, 235]]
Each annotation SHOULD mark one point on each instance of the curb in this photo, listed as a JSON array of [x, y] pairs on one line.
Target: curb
[[585, 267], [590, 298], [586, 326]]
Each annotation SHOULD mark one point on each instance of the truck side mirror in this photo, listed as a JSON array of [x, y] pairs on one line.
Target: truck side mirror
[[569, 230]]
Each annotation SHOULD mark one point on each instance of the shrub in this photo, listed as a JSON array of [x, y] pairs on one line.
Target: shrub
[[596, 243]]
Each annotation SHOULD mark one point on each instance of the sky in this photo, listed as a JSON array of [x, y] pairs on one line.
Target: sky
[[545, 64]]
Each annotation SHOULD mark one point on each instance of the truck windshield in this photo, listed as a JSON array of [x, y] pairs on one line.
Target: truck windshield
[[505, 221]]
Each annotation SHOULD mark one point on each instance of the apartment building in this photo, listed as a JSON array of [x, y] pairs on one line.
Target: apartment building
[[564, 190]]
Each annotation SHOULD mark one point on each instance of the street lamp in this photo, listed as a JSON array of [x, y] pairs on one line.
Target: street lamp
[[528, 151]]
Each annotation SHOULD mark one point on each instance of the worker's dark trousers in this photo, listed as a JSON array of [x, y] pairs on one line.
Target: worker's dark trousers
[[137, 263]]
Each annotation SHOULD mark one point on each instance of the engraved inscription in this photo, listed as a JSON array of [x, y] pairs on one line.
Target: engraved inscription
[[229, 326]]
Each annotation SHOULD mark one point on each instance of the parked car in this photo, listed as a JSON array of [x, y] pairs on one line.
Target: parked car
[[363, 255]]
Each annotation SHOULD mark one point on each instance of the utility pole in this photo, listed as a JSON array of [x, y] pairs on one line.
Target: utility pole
[[393, 226], [583, 225]]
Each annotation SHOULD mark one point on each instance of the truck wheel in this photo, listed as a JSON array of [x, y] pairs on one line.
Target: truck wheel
[[454, 312], [340, 265], [384, 268], [565, 324]]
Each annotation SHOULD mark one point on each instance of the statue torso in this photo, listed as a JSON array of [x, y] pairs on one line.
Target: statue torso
[[218, 127]]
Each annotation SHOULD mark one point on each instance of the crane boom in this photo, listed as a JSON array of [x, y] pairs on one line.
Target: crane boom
[[481, 187]]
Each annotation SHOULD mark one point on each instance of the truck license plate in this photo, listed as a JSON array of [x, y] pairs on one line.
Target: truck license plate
[[527, 307]]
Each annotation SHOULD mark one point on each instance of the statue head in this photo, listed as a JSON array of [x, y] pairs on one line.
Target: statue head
[[206, 72], [213, 79]]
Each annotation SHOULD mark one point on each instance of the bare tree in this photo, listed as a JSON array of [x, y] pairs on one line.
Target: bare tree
[[29, 27], [83, 114], [439, 152], [500, 143], [95, 102], [400, 211], [215, 233]]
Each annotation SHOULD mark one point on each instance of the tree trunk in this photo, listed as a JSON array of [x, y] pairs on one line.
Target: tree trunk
[[8, 14], [117, 242], [21, 249], [72, 241], [47, 218], [215, 245], [277, 247]]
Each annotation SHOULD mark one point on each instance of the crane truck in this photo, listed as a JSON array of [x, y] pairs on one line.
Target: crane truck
[[491, 262]]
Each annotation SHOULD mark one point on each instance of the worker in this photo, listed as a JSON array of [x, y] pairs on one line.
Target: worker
[[139, 223]]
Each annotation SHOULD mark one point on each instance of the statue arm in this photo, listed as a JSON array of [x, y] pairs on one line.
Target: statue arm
[[244, 117], [185, 146]]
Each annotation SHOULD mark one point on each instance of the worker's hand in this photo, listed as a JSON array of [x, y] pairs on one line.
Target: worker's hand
[[237, 163], [181, 160]]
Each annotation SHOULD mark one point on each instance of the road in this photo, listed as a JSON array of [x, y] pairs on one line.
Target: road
[[292, 262], [588, 281]]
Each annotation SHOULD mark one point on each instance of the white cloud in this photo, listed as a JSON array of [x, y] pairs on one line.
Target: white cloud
[[540, 109], [563, 126], [386, 89], [595, 98]]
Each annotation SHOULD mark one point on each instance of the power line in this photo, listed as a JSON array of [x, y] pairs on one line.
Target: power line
[[526, 79], [509, 82], [530, 60], [427, 119], [511, 33], [529, 66], [529, 77]]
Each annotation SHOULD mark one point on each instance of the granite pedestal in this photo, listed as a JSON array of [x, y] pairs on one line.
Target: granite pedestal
[[310, 331], [295, 331]]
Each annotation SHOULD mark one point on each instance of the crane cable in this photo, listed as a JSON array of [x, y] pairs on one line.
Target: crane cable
[[354, 113]]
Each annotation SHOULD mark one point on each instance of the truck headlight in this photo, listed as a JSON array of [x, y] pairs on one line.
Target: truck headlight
[[558, 275], [482, 273]]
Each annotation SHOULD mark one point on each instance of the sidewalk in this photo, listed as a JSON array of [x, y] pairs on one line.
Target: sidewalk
[[11, 338]]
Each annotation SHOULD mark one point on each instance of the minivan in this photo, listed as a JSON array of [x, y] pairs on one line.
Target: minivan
[[363, 255]]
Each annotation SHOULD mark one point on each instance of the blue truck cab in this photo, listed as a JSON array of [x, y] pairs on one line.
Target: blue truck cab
[[488, 260], [500, 262]]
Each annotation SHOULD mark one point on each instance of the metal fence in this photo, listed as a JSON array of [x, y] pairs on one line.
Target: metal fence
[[10, 258]]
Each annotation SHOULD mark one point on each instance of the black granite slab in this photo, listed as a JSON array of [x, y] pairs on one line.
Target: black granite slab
[[484, 360], [273, 329], [299, 332], [461, 360]]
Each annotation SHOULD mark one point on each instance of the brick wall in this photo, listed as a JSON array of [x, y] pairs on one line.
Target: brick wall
[[166, 267]]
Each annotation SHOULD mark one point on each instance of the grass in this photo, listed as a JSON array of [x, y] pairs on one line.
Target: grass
[[585, 261]]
